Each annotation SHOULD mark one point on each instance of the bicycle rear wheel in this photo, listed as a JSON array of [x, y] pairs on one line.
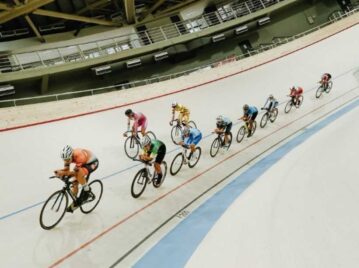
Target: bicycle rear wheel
[[254, 127], [300, 99], [319, 92], [131, 147], [139, 183], [273, 115], [329, 88], [192, 124], [241, 133], [288, 106], [195, 157], [229, 141], [96, 190], [54, 209], [176, 134], [215, 147], [264, 120], [176, 164], [164, 173], [151, 135]]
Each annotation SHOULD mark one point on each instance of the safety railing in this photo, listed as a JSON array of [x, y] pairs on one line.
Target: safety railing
[[261, 48], [95, 49]]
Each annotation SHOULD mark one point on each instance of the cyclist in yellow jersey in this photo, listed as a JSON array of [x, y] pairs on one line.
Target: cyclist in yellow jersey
[[183, 115]]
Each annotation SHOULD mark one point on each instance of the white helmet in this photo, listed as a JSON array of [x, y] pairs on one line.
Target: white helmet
[[66, 153], [219, 119], [174, 103], [146, 140]]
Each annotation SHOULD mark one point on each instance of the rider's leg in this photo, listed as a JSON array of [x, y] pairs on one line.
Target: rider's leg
[[185, 119], [226, 133], [143, 128], [159, 158]]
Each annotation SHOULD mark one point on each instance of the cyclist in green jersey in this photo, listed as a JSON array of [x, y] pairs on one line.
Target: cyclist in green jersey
[[151, 149]]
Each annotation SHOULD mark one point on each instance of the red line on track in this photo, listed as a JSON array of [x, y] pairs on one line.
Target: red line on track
[[190, 180], [177, 91]]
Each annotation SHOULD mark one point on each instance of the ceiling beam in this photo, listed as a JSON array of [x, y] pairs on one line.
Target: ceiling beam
[[22, 10], [65, 16], [151, 9], [4, 6], [130, 11], [94, 5]]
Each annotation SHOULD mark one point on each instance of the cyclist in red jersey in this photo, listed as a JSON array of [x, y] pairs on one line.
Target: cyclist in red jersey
[[325, 80], [295, 93], [85, 163]]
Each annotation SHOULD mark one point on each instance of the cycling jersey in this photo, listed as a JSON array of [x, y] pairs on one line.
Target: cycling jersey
[[85, 160], [194, 137], [155, 145], [182, 109], [140, 120], [225, 122], [251, 111], [326, 77], [270, 104], [296, 92]]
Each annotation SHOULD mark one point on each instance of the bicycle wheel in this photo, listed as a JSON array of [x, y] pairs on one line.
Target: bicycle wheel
[[229, 141], [176, 134], [164, 173], [273, 115], [139, 183], [131, 147], [300, 99], [151, 135], [319, 92], [195, 157], [215, 146], [254, 127], [264, 120], [54, 209], [192, 124], [288, 107], [241, 133], [96, 190], [176, 164], [329, 87]]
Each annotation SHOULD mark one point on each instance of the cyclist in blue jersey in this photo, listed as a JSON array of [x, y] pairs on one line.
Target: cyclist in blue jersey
[[249, 115], [224, 124], [191, 137]]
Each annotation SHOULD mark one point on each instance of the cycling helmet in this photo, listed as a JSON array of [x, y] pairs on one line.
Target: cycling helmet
[[271, 96], [66, 153], [245, 107], [185, 131], [145, 141], [219, 119], [174, 104], [128, 112]]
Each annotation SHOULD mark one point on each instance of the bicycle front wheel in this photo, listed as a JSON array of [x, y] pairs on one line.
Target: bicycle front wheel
[[176, 134], [164, 173], [53, 210], [215, 147], [273, 115], [195, 157], [241, 133], [264, 120], [96, 190], [176, 164], [288, 106], [131, 147], [139, 183], [319, 92]]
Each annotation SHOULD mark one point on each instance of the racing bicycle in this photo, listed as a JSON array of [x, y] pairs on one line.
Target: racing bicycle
[[244, 130], [218, 143], [183, 158], [176, 131], [133, 143], [322, 88], [268, 115]]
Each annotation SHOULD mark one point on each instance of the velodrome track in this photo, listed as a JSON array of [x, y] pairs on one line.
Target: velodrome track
[[121, 230]]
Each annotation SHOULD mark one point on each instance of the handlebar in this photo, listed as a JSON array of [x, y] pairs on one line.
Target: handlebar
[[149, 163]]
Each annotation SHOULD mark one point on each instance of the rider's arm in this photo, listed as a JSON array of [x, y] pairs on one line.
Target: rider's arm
[[128, 124]]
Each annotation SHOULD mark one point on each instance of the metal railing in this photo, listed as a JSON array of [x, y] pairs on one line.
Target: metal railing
[[261, 48], [95, 49]]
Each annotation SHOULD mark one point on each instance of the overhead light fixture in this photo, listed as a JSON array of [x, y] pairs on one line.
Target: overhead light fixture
[[133, 63], [101, 70], [263, 21], [7, 90], [161, 56], [241, 29], [218, 37]]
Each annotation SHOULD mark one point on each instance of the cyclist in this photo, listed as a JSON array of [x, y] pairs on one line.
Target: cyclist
[[190, 138], [85, 163], [140, 120], [184, 113], [151, 149], [224, 124], [325, 80], [270, 104], [249, 115], [295, 93]]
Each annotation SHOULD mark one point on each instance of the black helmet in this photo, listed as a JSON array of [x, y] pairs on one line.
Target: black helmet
[[128, 112]]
